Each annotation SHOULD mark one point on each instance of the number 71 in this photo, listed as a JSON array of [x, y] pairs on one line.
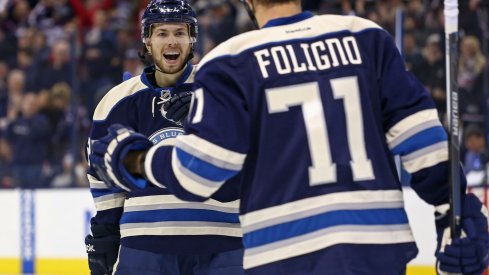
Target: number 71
[[308, 96]]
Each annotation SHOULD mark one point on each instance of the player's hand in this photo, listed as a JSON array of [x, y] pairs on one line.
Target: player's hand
[[108, 156], [102, 249], [470, 253], [177, 108]]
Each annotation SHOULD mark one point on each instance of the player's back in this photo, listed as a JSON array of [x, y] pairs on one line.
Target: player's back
[[328, 102]]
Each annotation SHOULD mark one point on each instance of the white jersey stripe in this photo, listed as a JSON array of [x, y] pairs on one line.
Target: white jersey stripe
[[404, 126], [96, 183], [172, 202], [192, 182], [147, 164], [181, 228], [413, 131], [109, 201], [419, 160], [210, 152], [281, 212], [321, 239], [320, 210]]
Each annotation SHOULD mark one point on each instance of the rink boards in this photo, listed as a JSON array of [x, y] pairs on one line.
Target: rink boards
[[43, 232]]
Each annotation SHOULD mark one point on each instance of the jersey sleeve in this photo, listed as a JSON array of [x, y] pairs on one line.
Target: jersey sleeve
[[413, 128], [108, 201], [214, 147]]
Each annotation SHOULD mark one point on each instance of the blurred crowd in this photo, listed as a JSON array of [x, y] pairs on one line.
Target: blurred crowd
[[58, 58]]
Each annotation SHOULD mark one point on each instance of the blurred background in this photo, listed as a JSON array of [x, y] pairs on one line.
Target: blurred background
[[58, 58]]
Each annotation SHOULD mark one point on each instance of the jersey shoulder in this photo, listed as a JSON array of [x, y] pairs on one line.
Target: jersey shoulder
[[338, 23], [117, 94], [316, 26]]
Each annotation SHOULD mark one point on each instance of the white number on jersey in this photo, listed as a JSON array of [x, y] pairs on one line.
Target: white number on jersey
[[199, 97], [308, 96]]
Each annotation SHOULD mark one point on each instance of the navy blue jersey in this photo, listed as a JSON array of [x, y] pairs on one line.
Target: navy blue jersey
[[153, 219], [310, 109]]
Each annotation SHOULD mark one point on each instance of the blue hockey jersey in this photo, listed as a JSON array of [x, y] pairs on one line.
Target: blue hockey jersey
[[311, 109], [153, 219]]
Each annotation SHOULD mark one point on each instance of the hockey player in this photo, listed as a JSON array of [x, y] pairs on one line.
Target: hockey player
[[158, 233], [310, 109]]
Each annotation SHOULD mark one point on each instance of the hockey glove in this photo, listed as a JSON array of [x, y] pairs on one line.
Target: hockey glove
[[102, 249], [469, 253], [178, 106], [108, 154]]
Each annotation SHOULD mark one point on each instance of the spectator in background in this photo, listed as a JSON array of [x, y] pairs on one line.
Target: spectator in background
[[17, 16], [471, 66], [122, 13], [49, 16], [4, 70], [24, 60], [25, 38], [55, 69], [132, 63], [39, 47], [28, 135], [31, 27], [218, 22], [472, 62], [15, 91], [353, 7], [431, 71], [5, 157], [7, 46], [69, 124], [54, 105], [100, 45], [125, 42], [475, 154], [412, 53], [85, 11], [470, 20]]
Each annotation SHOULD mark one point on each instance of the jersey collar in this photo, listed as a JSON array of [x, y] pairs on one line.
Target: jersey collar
[[289, 20]]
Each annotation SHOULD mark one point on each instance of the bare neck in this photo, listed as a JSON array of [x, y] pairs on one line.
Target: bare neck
[[168, 80], [266, 13]]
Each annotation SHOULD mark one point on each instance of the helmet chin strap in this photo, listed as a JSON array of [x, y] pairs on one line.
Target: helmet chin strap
[[251, 14]]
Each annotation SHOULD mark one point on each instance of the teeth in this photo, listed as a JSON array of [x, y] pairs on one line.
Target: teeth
[[172, 53]]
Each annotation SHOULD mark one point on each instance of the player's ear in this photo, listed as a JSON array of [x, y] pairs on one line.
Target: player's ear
[[148, 46]]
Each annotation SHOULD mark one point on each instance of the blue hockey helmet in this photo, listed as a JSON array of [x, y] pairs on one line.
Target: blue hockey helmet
[[169, 11]]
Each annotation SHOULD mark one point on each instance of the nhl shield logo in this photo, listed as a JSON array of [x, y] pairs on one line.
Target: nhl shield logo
[[166, 133]]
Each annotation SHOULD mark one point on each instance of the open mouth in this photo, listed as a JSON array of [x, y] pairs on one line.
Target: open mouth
[[171, 56]]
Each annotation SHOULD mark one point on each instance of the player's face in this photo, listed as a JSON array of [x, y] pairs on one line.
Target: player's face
[[169, 45]]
